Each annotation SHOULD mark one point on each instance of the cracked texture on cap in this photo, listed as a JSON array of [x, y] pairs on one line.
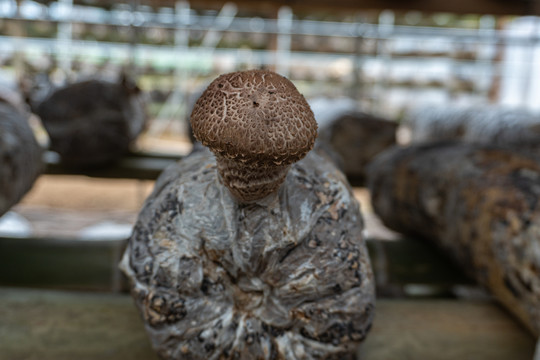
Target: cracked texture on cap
[[257, 117]]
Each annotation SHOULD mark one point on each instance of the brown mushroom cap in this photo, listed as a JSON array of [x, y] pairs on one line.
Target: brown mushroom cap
[[256, 117]]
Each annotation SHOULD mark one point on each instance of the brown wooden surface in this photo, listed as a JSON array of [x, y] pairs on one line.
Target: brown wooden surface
[[445, 329], [46, 325]]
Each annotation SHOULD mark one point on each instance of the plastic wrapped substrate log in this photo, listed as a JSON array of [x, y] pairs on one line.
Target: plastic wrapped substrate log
[[286, 277], [479, 204]]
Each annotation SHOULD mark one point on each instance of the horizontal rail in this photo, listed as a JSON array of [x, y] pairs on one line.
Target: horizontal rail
[[401, 267], [192, 21], [133, 166]]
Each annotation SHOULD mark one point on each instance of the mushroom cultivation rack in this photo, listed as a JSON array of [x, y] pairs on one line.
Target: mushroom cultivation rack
[[65, 298], [378, 58]]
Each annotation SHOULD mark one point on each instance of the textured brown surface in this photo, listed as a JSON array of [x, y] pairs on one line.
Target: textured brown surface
[[257, 123], [20, 156], [256, 116], [93, 122], [286, 277], [479, 204]]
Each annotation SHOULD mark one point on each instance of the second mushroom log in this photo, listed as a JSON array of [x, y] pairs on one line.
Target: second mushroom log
[[256, 252], [20, 153], [93, 123], [480, 204]]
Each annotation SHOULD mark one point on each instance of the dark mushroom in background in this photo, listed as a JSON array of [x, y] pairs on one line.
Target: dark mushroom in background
[[94, 122], [354, 139], [480, 204], [20, 154], [256, 252]]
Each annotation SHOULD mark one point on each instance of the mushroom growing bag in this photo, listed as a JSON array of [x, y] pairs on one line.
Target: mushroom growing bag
[[285, 277]]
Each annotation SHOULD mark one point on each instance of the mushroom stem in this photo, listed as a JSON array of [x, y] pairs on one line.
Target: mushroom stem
[[249, 183]]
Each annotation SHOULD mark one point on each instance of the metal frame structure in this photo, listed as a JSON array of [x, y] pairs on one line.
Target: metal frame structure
[[183, 20]]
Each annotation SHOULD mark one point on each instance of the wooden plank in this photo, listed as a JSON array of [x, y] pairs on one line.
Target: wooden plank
[[61, 263], [413, 261], [445, 330], [46, 325]]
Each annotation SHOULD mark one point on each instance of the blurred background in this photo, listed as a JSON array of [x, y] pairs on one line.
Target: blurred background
[[382, 58], [379, 57]]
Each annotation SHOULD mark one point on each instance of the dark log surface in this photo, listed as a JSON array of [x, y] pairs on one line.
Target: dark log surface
[[20, 156], [479, 204], [58, 325], [92, 123]]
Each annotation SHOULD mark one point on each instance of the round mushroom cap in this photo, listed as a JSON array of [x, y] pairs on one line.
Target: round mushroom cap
[[255, 116]]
